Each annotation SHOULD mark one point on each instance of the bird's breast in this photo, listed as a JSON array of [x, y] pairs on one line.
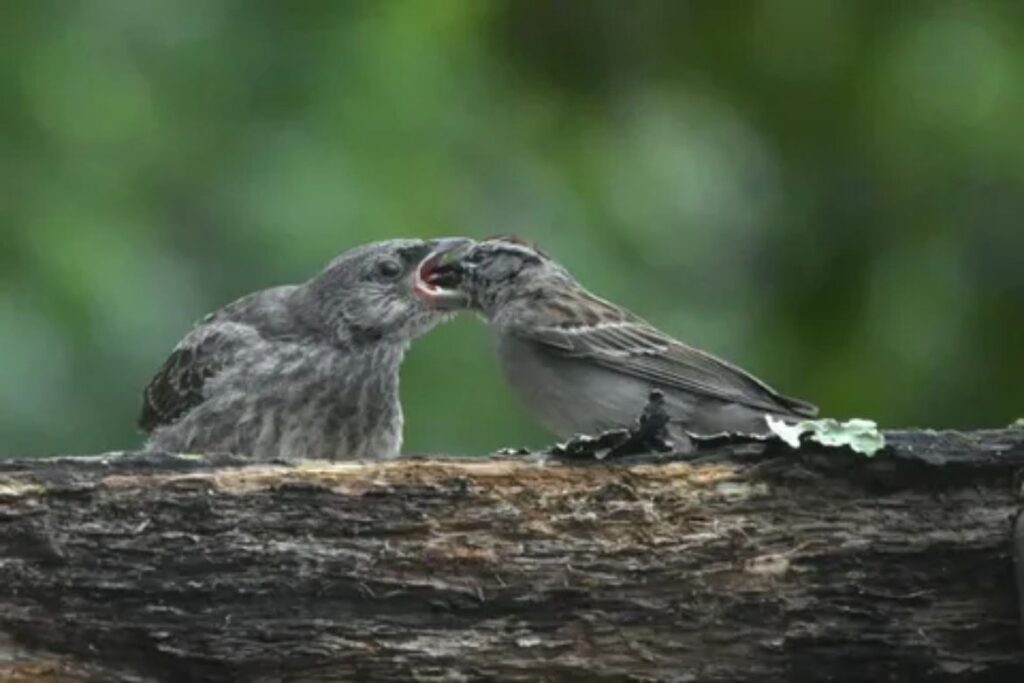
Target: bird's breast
[[569, 396]]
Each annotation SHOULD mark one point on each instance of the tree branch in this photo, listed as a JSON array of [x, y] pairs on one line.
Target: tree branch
[[752, 563]]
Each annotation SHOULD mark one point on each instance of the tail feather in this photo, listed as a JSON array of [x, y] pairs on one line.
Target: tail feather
[[799, 407]]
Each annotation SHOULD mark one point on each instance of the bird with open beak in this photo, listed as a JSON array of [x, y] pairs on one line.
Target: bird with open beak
[[582, 364], [299, 371]]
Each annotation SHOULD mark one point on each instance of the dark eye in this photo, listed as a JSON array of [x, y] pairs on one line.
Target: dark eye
[[389, 269], [475, 257]]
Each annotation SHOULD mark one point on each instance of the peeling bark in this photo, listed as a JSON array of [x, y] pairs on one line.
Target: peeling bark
[[751, 562]]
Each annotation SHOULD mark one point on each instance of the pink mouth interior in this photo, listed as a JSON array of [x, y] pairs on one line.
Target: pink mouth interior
[[428, 269], [426, 276]]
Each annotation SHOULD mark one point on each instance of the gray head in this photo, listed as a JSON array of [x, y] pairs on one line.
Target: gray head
[[364, 296], [488, 275]]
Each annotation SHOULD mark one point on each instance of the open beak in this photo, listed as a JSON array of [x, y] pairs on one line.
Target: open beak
[[439, 275]]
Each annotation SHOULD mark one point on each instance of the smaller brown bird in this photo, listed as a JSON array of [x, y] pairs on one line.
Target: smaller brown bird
[[582, 364]]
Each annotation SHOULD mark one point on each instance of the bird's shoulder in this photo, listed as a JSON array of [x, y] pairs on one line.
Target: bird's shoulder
[[578, 322], [212, 345]]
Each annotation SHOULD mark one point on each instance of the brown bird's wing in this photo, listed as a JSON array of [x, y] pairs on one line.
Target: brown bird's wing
[[624, 343], [177, 386]]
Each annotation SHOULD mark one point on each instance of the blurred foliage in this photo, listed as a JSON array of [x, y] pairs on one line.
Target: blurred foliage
[[826, 192]]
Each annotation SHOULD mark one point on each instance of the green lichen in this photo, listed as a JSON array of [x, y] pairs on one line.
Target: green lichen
[[859, 435]]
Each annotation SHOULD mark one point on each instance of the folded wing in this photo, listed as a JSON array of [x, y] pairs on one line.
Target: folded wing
[[624, 343], [178, 386]]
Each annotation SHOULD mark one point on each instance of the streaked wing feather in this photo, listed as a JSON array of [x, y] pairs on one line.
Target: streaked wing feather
[[178, 385], [635, 348]]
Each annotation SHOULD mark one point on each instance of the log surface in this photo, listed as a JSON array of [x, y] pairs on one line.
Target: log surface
[[752, 563]]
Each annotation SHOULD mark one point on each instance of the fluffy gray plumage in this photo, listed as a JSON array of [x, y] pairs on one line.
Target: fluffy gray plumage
[[300, 371], [582, 364]]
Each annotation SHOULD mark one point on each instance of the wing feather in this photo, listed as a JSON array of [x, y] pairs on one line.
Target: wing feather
[[178, 385], [626, 344]]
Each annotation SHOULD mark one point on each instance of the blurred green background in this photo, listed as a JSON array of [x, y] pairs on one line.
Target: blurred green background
[[829, 193]]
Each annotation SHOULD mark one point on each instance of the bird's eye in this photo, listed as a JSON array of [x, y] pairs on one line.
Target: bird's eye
[[475, 257], [389, 269]]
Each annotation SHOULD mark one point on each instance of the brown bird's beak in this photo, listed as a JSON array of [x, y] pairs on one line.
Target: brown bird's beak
[[440, 274]]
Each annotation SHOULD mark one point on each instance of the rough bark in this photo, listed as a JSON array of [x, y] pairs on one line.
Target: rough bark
[[752, 563]]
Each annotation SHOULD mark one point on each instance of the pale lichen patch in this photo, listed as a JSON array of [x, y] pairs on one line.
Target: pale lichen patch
[[13, 488]]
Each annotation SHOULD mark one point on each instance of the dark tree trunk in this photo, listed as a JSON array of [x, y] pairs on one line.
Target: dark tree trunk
[[755, 563]]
